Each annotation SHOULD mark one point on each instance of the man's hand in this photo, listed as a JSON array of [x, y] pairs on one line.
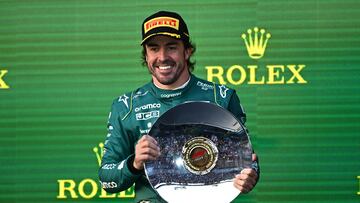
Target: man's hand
[[146, 149], [246, 180]]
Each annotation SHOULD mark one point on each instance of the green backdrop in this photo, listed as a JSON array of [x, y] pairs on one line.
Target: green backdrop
[[65, 61]]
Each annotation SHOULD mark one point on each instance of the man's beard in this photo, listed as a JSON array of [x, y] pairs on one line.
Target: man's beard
[[172, 77]]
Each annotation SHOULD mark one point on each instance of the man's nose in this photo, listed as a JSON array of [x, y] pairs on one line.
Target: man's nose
[[162, 55]]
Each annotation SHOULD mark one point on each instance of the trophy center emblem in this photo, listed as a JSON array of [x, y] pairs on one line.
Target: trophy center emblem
[[199, 155]]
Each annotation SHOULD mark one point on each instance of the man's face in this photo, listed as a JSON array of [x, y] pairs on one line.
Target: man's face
[[166, 60]]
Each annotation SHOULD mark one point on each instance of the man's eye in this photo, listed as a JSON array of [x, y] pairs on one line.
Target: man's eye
[[154, 49], [173, 48]]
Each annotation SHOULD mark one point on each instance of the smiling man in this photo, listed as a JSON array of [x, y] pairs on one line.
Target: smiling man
[[167, 51], [166, 59]]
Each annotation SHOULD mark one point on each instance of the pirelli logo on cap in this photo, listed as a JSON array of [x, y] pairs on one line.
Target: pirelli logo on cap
[[161, 22]]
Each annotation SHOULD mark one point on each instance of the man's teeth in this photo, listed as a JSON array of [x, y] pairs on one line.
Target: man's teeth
[[164, 67]]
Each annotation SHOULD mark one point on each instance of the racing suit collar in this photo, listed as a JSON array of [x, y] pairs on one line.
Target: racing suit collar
[[181, 87], [169, 94]]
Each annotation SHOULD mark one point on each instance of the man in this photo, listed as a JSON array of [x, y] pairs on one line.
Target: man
[[166, 52]]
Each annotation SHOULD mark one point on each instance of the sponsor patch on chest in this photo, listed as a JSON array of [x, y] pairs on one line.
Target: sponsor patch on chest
[[148, 106], [147, 115]]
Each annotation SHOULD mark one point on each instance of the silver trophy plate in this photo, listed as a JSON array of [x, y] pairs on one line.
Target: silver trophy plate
[[203, 146]]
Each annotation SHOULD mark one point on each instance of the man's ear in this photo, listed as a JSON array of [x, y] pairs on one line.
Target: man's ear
[[145, 52], [188, 53]]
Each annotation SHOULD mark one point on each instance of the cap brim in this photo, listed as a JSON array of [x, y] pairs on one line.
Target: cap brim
[[174, 35]]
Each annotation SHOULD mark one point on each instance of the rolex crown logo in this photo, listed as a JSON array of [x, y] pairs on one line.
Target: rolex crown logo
[[256, 42], [99, 152]]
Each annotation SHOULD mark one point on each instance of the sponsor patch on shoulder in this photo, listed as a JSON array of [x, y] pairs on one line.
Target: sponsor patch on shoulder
[[205, 86]]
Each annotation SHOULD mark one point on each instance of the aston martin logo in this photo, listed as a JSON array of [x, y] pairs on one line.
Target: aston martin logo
[[199, 155]]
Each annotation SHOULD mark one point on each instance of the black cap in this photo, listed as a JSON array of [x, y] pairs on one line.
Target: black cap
[[165, 23]]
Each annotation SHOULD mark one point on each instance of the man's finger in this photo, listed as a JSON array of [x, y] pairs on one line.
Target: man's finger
[[242, 186], [145, 157], [249, 171], [246, 178], [148, 142], [149, 138], [150, 145]]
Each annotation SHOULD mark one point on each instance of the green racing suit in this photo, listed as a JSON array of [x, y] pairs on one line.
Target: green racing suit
[[132, 115]]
